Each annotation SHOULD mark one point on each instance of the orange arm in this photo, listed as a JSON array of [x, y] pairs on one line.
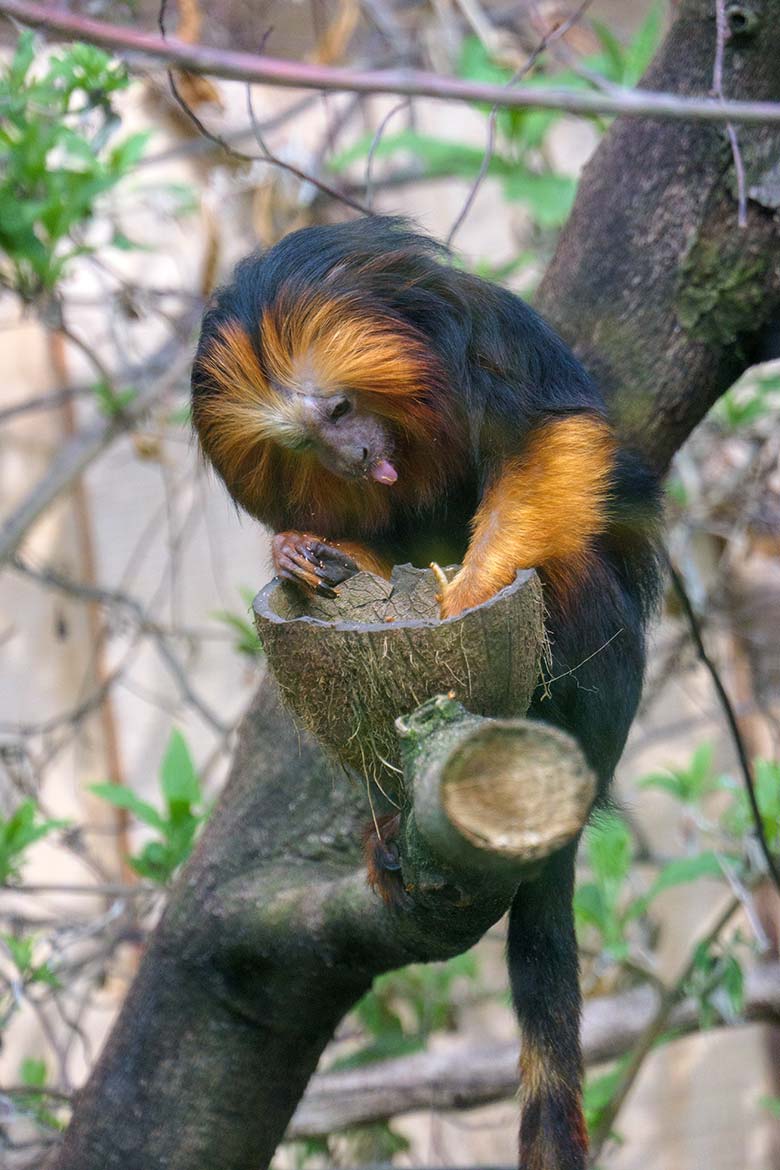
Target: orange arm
[[543, 510]]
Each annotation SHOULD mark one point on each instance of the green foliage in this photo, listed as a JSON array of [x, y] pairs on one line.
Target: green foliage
[[717, 982], [247, 641], [55, 159], [113, 402], [20, 949], [625, 64], [606, 905], [176, 827], [738, 818], [404, 1007], [693, 784], [34, 1074], [688, 785], [17, 833], [745, 404], [772, 1106], [598, 1093], [518, 159], [600, 903]]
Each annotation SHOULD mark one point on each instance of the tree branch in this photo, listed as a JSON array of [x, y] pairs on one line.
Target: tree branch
[[251, 67], [464, 1076], [169, 365]]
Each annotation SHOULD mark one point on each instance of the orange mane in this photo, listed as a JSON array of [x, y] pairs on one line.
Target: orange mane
[[249, 418]]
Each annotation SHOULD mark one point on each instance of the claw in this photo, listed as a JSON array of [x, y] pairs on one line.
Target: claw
[[309, 561]]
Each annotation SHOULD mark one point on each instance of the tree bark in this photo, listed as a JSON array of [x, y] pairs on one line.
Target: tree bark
[[663, 297], [271, 933]]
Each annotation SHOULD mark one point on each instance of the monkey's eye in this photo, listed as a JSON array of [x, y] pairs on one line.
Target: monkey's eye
[[340, 407]]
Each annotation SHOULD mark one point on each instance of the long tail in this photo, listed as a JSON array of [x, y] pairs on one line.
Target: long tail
[[544, 976]]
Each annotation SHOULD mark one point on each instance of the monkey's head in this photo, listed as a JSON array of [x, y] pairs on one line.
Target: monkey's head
[[312, 392]]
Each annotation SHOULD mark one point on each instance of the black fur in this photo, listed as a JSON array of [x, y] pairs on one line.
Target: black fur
[[507, 371]]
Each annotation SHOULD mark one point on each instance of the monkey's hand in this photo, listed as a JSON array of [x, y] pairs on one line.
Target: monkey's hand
[[309, 561]]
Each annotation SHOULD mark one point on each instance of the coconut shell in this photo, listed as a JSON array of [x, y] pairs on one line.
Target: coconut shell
[[348, 666]]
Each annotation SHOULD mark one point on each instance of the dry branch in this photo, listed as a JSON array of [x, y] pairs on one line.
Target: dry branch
[[75, 456], [463, 1076], [251, 67]]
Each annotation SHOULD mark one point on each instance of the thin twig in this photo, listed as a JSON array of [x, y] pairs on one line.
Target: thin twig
[[548, 39], [721, 36], [629, 103], [96, 889], [731, 720], [369, 179], [240, 155], [170, 363], [304, 176], [652, 1033], [89, 593]]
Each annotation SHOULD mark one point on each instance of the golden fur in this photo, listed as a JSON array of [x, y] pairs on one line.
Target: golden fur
[[543, 510]]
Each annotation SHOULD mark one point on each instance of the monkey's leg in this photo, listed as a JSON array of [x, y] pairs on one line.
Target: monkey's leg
[[321, 565], [544, 976], [542, 510]]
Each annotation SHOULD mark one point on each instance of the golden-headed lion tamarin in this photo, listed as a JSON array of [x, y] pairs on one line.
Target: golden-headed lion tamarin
[[373, 404]]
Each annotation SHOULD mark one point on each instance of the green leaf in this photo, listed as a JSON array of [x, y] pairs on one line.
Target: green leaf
[[772, 1105], [247, 642], [550, 197], [128, 153], [33, 1073], [614, 53], [679, 872], [179, 780], [734, 984], [643, 46], [121, 797], [476, 64], [590, 907], [22, 60], [690, 784], [155, 862], [17, 833], [610, 849]]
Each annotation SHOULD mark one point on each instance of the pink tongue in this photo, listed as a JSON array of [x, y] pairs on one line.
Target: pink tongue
[[384, 472]]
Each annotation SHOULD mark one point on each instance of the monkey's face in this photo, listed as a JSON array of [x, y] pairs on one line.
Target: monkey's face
[[324, 391], [347, 438]]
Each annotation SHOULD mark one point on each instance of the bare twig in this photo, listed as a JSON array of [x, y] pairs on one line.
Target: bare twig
[[89, 593], [84, 448], [547, 40], [273, 71], [304, 176], [369, 179], [721, 36], [653, 1031], [50, 401], [731, 720]]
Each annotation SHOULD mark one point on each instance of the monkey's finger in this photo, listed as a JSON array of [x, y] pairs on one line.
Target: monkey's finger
[[333, 565], [324, 590], [289, 570]]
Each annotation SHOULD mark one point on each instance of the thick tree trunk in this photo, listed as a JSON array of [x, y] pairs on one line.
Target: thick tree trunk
[[271, 933], [660, 292]]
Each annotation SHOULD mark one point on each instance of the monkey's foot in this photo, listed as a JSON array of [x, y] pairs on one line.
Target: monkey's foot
[[309, 561], [383, 863]]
